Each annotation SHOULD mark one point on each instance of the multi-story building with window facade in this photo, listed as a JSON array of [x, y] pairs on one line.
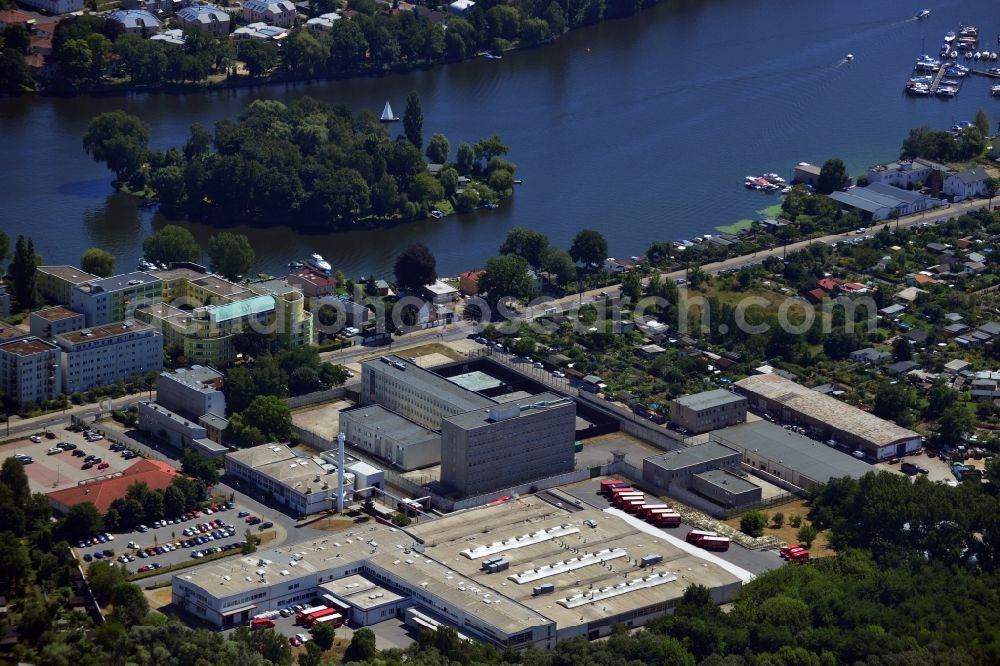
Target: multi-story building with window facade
[[108, 354], [29, 371]]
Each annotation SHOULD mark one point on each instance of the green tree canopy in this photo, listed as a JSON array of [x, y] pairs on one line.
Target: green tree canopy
[[171, 244], [415, 267], [832, 176], [413, 120], [532, 246], [99, 262], [589, 247], [438, 149], [506, 277], [118, 139], [22, 272], [230, 254]]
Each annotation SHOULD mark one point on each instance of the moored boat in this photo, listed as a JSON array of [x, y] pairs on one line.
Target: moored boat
[[319, 263], [949, 36]]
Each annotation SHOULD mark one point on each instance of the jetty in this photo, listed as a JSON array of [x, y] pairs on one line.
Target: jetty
[[980, 72], [937, 78]]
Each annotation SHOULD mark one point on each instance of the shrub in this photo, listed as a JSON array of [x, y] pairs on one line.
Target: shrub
[[753, 523]]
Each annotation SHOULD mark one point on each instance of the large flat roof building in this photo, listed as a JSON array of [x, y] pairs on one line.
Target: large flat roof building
[[111, 299], [828, 417], [415, 393], [509, 444], [789, 456], [708, 410], [305, 485], [56, 283], [664, 469], [389, 436], [55, 320], [437, 567]]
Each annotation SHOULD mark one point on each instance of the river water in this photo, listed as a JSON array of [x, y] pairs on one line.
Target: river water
[[641, 128]]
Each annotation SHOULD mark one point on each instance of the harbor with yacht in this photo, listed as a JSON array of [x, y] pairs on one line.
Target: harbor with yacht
[[943, 76]]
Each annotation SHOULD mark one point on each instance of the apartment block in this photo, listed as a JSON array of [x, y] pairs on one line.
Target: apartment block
[[29, 371], [192, 391], [108, 300], [508, 444], [55, 283], [55, 321], [108, 354]]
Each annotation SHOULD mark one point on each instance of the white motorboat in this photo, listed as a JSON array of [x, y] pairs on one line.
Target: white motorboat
[[949, 36], [849, 57], [319, 263], [922, 14]]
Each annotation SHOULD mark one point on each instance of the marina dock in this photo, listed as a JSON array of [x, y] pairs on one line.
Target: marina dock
[[937, 78]]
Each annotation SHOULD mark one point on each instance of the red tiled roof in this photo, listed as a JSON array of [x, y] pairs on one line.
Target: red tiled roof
[[828, 283], [816, 295], [12, 16], [157, 475], [920, 278], [470, 275]]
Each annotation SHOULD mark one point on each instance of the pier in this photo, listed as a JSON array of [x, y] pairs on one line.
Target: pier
[[937, 78], [980, 72]]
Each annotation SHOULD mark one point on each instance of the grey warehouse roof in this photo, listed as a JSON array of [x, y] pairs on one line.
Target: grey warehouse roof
[[807, 456], [727, 480], [377, 416], [690, 455], [426, 381], [708, 399], [479, 417]]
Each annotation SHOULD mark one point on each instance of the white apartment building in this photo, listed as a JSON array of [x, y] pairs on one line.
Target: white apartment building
[[108, 354], [29, 371]]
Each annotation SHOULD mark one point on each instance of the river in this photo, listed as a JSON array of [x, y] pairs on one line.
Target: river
[[641, 128]]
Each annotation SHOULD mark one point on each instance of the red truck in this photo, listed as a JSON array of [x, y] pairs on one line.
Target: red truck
[[794, 554], [608, 484], [261, 623], [624, 498], [329, 615], [665, 518], [714, 543], [650, 508], [302, 617], [695, 536]]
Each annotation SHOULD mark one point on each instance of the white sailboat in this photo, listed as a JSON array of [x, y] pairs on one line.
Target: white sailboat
[[387, 115]]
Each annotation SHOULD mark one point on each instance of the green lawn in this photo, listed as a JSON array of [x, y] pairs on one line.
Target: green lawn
[[735, 227]]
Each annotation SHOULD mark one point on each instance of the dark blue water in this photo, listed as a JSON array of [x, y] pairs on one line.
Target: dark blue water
[[641, 128]]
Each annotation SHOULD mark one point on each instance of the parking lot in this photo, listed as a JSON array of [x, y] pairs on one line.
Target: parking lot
[[172, 540], [48, 472]]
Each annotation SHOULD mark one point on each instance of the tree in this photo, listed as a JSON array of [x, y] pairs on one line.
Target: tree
[[99, 262], [589, 247], [902, 350], [130, 605], [12, 476], [806, 534], [413, 120], [838, 344], [171, 244], [230, 254], [15, 76], [271, 416], [778, 520], [118, 139], [438, 149], [239, 388], [196, 467], [16, 36], [506, 277], [104, 577], [415, 267], [752, 523], [304, 380], [82, 520], [632, 286], [532, 246], [306, 52], [982, 122], [22, 273], [956, 422], [15, 565], [323, 633], [362, 647], [833, 176], [250, 545], [892, 401], [559, 263], [534, 31], [259, 57], [465, 159]]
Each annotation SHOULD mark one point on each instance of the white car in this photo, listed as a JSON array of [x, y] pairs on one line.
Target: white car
[[36, 439], [556, 373], [303, 637]]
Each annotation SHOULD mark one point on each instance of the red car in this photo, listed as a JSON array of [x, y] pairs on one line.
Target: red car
[[103, 466], [295, 641]]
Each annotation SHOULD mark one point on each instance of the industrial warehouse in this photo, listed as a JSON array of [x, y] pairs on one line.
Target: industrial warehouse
[[824, 415], [532, 574]]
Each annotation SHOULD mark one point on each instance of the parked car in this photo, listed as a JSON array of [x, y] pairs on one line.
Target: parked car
[[243, 514], [36, 439], [267, 525]]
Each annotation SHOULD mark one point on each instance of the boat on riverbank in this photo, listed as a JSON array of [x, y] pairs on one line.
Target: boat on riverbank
[[317, 262]]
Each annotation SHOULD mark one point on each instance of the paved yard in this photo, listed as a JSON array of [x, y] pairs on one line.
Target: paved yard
[[63, 469], [323, 420], [598, 451]]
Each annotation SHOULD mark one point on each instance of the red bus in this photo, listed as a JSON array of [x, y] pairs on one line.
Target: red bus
[[334, 618], [261, 623], [635, 506], [617, 497], [695, 536], [621, 490], [714, 543], [300, 617]]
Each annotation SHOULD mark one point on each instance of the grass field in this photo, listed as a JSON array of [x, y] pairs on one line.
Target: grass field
[[820, 547], [769, 212]]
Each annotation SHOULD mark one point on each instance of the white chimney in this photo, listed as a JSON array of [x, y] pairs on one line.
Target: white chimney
[[340, 473]]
